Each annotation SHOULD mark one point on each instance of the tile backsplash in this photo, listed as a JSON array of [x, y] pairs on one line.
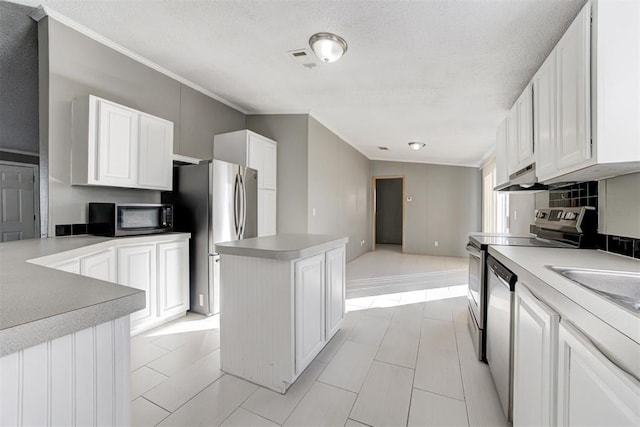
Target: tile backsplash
[[576, 195], [586, 194]]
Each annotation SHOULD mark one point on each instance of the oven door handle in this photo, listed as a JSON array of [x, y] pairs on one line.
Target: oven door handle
[[473, 250]]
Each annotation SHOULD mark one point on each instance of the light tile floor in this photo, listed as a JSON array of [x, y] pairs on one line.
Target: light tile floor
[[400, 359]]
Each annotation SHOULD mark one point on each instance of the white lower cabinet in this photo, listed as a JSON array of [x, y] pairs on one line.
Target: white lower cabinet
[[156, 265], [100, 265], [335, 277], [309, 291], [173, 273], [535, 352], [592, 390], [137, 268]]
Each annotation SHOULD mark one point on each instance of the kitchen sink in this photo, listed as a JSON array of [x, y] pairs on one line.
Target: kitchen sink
[[623, 287]]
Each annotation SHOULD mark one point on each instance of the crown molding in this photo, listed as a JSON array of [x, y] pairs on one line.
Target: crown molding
[[43, 11]]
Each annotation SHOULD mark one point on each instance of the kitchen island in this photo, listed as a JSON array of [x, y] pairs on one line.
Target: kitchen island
[[64, 338], [282, 299]]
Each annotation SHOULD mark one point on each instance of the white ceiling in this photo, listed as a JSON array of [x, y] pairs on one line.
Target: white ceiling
[[443, 72]]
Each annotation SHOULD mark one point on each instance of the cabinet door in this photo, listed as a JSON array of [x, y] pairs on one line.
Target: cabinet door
[[173, 278], [137, 269], [256, 157], [512, 141], [101, 265], [71, 266], [502, 172], [574, 102], [544, 116], [524, 108], [534, 360], [266, 212], [117, 135], [270, 162], [592, 390], [335, 290], [155, 146], [309, 313]]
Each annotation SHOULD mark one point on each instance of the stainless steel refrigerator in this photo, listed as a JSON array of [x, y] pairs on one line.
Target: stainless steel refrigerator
[[216, 202]]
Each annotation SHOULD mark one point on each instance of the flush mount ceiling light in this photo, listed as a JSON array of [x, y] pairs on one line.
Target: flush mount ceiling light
[[328, 47], [416, 145]]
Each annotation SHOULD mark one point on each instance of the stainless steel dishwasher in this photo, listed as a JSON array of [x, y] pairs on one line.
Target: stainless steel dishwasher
[[499, 330]]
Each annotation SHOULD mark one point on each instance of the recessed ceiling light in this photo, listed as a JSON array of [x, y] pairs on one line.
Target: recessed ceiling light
[[416, 145], [328, 47]]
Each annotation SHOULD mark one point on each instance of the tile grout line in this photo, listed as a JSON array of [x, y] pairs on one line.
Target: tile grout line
[[455, 333], [169, 412]]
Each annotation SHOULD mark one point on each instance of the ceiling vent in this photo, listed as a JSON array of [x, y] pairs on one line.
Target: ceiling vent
[[303, 57], [383, 148]]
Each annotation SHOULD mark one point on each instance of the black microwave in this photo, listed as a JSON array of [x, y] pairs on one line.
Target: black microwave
[[113, 219]]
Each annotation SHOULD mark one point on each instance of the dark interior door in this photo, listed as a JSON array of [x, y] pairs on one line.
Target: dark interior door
[[389, 211]]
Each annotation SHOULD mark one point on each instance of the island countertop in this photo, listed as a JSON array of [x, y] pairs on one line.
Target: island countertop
[[281, 246], [39, 303]]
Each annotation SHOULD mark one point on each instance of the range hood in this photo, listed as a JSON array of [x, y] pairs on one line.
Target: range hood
[[524, 180]]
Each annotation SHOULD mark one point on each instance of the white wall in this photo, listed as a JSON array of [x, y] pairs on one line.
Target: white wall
[[619, 206]]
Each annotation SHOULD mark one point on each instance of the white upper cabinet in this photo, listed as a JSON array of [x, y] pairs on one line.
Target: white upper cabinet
[[248, 148], [574, 126], [544, 118], [502, 174], [155, 146], [520, 136], [595, 84], [117, 146], [116, 139]]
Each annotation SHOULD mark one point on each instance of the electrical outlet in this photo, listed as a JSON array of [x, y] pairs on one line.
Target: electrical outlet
[[201, 300], [436, 243], [313, 211], [361, 242]]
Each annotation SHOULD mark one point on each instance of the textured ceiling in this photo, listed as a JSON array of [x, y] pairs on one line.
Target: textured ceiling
[[443, 72]]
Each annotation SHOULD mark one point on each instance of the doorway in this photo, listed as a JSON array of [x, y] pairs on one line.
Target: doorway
[[18, 201], [388, 212]]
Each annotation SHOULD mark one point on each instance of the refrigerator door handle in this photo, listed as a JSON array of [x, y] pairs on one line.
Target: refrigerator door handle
[[236, 219], [244, 206]]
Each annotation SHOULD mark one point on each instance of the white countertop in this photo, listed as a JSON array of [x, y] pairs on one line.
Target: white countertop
[[281, 246], [534, 260], [38, 303]]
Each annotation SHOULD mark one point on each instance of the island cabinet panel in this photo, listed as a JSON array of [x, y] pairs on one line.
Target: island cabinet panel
[[310, 308], [77, 379], [336, 280], [276, 315], [592, 390]]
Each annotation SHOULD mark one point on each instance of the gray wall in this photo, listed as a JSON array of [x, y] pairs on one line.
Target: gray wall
[[291, 133], [79, 66], [619, 206], [316, 169], [389, 211], [446, 205], [338, 189], [18, 78]]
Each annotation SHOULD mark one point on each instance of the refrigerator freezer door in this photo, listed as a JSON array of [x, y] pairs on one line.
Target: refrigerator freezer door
[[250, 202], [224, 197]]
